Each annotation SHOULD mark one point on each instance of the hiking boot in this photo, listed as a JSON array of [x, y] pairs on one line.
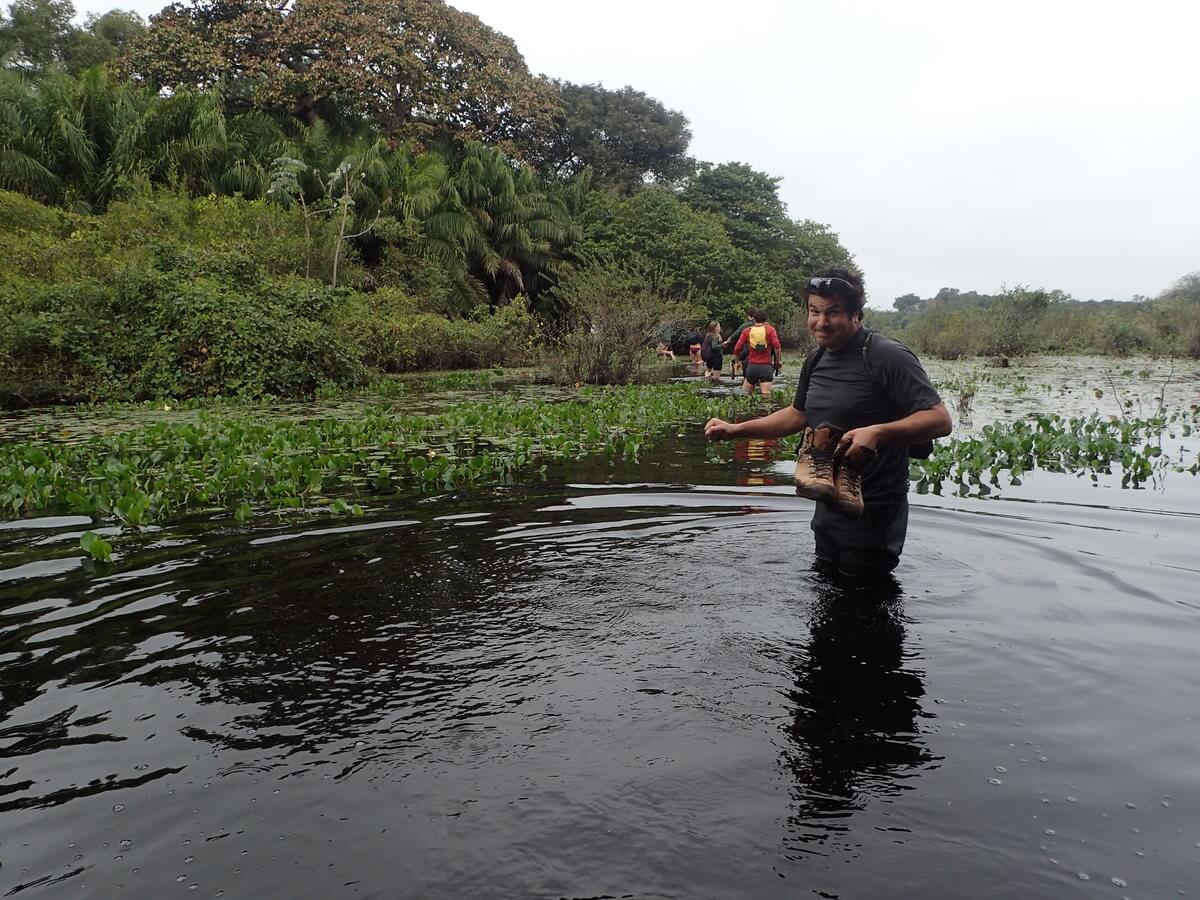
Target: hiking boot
[[814, 465], [847, 481]]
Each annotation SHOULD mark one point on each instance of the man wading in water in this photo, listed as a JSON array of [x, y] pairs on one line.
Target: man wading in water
[[871, 404]]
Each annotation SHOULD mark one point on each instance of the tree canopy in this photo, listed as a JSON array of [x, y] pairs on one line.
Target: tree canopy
[[38, 36], [411, 132], [408, 68], [625, 137]]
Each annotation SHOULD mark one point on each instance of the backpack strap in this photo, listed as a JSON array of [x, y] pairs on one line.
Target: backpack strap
[[921, 450], [810, 363]]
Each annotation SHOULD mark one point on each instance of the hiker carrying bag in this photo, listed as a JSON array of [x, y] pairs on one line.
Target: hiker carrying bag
[[922, 450], [757, 340]]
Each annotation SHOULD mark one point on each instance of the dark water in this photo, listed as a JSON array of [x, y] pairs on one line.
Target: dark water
[[625, 682]]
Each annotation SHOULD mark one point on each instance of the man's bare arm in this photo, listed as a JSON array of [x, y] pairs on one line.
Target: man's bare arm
[[780, 423]]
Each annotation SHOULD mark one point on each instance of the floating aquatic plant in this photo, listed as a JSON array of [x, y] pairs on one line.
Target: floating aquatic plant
[[151, 473]]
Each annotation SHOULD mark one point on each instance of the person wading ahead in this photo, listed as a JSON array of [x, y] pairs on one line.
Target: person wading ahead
[[864, 403], [765, 354]]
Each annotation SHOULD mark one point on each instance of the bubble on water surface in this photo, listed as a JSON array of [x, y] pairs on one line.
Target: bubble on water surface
[[995, 781], [1131, 806], [1084, 876], [1071, 799], [1051, 831], [1119, 882], [1001, 769], [118, 807]]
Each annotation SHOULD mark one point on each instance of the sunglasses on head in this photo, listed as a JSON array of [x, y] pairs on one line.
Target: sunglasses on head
[[817, 285]]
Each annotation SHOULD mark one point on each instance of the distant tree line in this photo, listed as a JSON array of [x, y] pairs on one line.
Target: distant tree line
[[955, 323]]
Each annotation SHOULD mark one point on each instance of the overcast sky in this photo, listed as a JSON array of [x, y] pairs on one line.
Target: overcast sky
[[1047, 143]]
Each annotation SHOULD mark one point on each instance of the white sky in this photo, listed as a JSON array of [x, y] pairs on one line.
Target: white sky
[[1047, 143]]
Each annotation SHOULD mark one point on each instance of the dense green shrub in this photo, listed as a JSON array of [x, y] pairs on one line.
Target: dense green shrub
[[396, 336], [185, 325]]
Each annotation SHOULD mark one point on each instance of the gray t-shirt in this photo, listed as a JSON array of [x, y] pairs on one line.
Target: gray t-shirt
[[841, 392]]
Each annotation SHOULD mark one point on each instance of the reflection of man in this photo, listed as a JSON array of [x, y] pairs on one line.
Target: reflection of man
[[874, 396], [854, 728]]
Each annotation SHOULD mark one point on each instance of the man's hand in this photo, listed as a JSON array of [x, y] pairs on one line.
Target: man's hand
[[719, 430], [857, 440]]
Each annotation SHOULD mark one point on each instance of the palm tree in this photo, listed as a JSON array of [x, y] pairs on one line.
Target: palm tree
[[520, 227]]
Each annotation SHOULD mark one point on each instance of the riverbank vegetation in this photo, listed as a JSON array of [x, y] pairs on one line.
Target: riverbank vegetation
[[341, 219]]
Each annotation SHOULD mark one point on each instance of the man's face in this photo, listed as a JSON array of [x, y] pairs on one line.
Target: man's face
[[829, 323]]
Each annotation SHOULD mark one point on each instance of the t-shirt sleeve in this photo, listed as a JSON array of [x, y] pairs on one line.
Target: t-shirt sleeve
[[904, 379], [741, 341]]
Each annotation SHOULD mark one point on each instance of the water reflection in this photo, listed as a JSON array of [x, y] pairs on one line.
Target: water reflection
[[755, 450], [855, 700]]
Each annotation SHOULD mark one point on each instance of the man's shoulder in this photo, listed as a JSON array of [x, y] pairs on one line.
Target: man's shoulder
[[889, 351]]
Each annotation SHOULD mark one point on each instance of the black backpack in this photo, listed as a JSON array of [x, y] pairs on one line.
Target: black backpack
[[923, 450]]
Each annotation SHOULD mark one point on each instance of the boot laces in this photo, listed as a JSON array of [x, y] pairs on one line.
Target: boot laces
[[852, 481], [822, 463]]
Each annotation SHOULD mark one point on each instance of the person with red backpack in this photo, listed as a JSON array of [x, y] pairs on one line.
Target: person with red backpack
[[765, 356], [865, 406]]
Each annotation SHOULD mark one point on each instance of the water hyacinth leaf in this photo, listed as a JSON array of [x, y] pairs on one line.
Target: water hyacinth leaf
[[96, 547]]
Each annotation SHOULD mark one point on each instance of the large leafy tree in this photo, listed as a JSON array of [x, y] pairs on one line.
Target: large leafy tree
[[38, 33], [625, 137], [688, 250], [747, 200], [38, 36], [413, 68], [748, 205]]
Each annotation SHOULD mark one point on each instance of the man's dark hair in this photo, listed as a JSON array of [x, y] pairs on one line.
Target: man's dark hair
[[848, 288], [758, 315]]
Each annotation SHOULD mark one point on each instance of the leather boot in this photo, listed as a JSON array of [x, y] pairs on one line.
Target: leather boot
[[847, 480], [814, 465]]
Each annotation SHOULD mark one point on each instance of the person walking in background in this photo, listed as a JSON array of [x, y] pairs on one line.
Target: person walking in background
[[737, 363], [765, 353], [865, 405], [711, 353]]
